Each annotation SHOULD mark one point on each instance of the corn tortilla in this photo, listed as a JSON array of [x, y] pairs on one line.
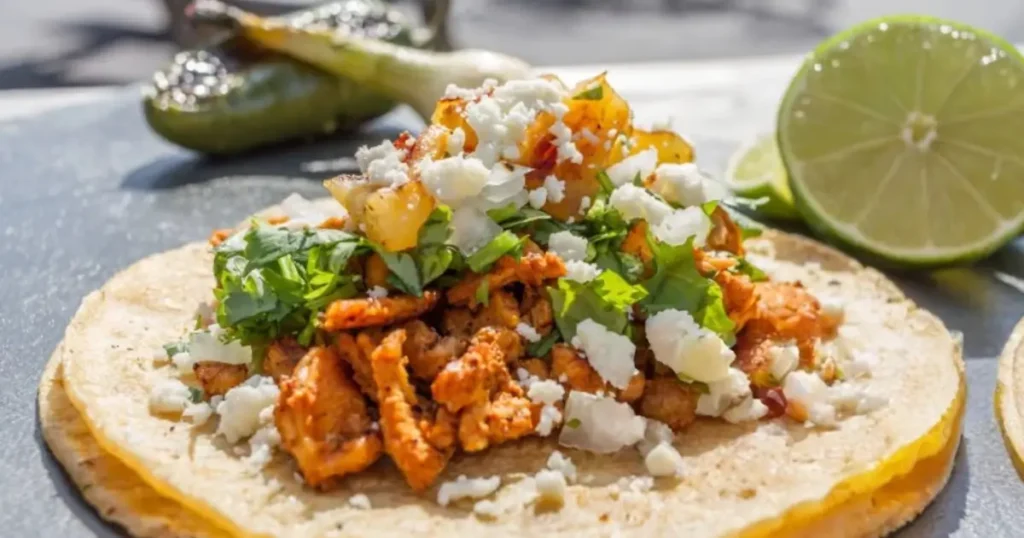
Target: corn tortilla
[[775, 478]]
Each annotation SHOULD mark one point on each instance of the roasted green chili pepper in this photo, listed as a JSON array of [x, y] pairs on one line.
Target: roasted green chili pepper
[[234, 96]]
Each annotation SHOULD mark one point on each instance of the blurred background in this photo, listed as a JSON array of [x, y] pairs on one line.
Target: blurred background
[[62, 43]]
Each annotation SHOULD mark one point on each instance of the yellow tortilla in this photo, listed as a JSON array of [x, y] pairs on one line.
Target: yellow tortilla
[[866, 478], [117, 492], [1010, 396]]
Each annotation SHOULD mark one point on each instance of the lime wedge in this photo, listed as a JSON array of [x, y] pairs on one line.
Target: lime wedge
[[756, 172], [902, 138]]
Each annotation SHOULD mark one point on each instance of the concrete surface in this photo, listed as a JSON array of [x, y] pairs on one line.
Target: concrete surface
[[46, 43]]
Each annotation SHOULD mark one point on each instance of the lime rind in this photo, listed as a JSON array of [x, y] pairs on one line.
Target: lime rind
[[771, 186], [843, 234]]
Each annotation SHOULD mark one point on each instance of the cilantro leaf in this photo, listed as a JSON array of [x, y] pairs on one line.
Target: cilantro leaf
[[543, 346], [195, 395], [404, 273], [482, 295], [265, 244], [743, 266], [605, 182], [592, 94], [676, 284], [510, 218], [433, 262], [627, 265], [436, 229], [604, 300], [504, 243]]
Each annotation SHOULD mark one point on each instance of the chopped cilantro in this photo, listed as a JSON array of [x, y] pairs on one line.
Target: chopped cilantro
[[605, 182], [404, 274], [511, 218], [174, 348], [676, 284], [743, 266], [195, 395], [543, 346], [592, 94], [604, 300], [482, 295], [504, 243]]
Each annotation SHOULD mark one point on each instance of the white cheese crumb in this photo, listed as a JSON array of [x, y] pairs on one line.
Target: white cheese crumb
[[382, 164], [561, 463], [454, 180], [546, 392], [636, 484], [242, 406], [555, 189], [550, 416], [664, 460], [581, 272], [360, 501], [626, 170], [636, 203], [724, 393], [168, 396], [609, 353], [568, 246], [808, 390], [208, 346], [538, 197], [525, 379], [833, 307], [453, 91], [859, 364], [684, 184], [265, 440], [687, 348], [197, 413], [183, 361], [785, 358], [599, 424], [584, 204], [550, 486], [456, 141], [567, 150], [528, 332], [655, 433], [747, 410], [377, 292], [463, 487], [682, 224], [505, 185], [471, 229]]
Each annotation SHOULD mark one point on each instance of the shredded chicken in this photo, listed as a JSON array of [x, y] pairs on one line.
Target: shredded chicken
[[420, 446], [508, 416], [535, 311], [428, 352], [725, 234], [457, 322], [535, 367], [502, 310], [323, 420], [670, 401], [739, 296], [532, 269], [358, 313], [282, 356], [579, 375], [356, 352], [217, 378], [785, 311], [636, 244], [474, 376]]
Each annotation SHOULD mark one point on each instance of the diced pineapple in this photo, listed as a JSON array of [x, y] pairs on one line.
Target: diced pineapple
[[393, 217], [671, 147], [351, 192]]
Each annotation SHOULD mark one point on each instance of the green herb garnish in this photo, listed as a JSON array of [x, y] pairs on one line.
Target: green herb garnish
[[504, 243], [604, 300], [482, 295], [543, 346], [592, 94]]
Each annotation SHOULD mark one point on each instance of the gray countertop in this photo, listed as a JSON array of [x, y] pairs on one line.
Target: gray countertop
[[87, 190]]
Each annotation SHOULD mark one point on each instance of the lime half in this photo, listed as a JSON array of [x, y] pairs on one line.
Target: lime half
[[903, 138], [756, 172]]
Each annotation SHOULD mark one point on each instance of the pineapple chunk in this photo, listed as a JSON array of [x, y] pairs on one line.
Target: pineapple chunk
[[393, 217]]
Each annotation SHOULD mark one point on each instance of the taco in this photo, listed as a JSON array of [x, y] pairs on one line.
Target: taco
[[1009, 406], [533, 318]]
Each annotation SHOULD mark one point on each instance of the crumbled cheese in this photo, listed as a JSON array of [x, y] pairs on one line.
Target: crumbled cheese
[[197, 413], [463, 487], [853, 399], [546, 392], [567, 150], [242, 406], [567, 246], [636, 203], [525, 379], [581, 272], [550, 416], [550, 486], [538, 197], [559, 462], [500, 121], [536, 93], [360, 501], [681, 224], [664, 460], [609, 353], [455, 180], [687, 348], [528, 332], [785, 358], [734, 388], [555, 189], [655, 433], [265, 440], [662, 125], [505, 186], [168, 396], [382, 164], [183, 361], [208, 346], [858, 364], [684, 184], [303, 213], [626, 170], [808, 390], [833, 307], [471, 229], [602, 424], [636, 484], [456, 141], [377, 292], [747, 410], [453, 91], [584, 204]]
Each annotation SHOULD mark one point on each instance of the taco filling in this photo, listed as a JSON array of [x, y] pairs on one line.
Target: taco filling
[[532, 265]]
